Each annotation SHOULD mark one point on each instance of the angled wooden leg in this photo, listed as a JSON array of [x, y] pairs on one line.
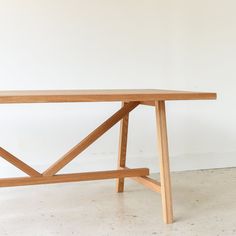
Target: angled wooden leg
[[164, 162], [122, 150]]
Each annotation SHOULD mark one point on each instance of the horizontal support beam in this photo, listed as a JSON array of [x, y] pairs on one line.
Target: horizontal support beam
[[147, 182], [99, 175], [18, 163], [148, 103]]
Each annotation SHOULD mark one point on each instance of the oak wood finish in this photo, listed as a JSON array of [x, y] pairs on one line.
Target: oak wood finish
[[122, 150], [18, 163], [148, 103], [46, 96], [92, 137], [164, 162], [99, 175], [130, 99], [147, 182]]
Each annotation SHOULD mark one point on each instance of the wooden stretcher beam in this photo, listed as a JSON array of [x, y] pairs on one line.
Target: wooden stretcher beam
[[148, 103], [147, 182], [99, 175]]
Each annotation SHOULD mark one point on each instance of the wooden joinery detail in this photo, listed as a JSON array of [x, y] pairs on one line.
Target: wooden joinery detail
[[99, 175], [91, 138], [18, 163]]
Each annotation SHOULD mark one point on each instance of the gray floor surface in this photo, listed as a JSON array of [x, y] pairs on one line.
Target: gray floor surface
[[204, 204]]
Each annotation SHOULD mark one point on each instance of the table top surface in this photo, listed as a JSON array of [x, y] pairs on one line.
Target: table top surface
[[49, 96]]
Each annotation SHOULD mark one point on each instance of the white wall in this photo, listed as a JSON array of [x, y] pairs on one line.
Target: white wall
[[95, 44]]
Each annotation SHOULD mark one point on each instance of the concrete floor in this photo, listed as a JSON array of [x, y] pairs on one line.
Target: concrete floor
[[204, 204]]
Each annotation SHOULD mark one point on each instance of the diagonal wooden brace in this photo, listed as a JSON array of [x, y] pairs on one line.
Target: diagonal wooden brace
[[91, 138], [18, 163]]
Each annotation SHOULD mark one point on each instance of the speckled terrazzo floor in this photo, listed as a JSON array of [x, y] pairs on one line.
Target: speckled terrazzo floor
[[204, 204]]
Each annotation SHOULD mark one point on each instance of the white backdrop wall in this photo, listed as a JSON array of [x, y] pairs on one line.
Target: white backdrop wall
[[101, 44]]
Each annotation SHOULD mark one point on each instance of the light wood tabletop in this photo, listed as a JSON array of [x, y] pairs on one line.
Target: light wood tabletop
[[46, 96]]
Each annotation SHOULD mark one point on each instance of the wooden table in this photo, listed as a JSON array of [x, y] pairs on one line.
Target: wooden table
[[130, 100]]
